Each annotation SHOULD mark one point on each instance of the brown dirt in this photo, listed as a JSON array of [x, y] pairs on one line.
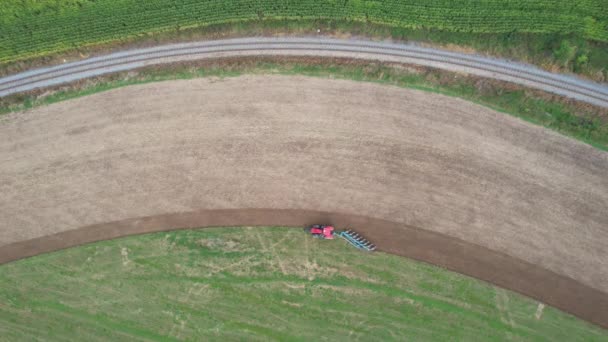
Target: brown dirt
[[407, 157], [454, 254]]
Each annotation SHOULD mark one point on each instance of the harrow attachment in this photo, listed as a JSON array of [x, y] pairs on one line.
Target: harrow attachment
[[357, 240]]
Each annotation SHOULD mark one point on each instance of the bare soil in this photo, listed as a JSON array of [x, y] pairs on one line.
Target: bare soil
[[435, 77], [425, 163], [438, 249]]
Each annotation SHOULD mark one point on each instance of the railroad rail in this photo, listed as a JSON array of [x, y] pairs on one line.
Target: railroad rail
[[522, 74]]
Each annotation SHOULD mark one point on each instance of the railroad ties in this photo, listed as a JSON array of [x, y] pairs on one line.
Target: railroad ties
[[357, 240]]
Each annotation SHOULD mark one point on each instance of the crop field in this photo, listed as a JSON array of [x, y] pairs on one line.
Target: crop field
[[259, 284], [38, 28]]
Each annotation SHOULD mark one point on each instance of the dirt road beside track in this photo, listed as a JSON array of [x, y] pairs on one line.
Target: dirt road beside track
[[408, 157]]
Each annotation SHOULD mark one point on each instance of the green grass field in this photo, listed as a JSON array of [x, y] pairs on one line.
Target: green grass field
[[259, 284], [571, 34]]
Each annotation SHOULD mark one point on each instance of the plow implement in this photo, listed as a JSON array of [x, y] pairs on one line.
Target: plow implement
[[357, 240], [326, 232]]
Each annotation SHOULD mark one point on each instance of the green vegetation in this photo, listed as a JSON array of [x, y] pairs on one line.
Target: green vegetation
[[589, 127], [531, 30], [259, 284]]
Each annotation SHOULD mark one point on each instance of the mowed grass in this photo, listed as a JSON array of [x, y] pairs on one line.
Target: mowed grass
[[570, 34], [259, 284]]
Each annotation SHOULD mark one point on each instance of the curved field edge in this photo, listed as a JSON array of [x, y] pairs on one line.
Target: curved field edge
[[197, 284], [436, 249], [567, 37], [588, 124]]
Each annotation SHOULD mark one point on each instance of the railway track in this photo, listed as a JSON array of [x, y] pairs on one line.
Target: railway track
[[526, 75]]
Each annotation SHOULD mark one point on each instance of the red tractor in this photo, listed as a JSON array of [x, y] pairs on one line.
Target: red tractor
[[326, 232], [321, 231]]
